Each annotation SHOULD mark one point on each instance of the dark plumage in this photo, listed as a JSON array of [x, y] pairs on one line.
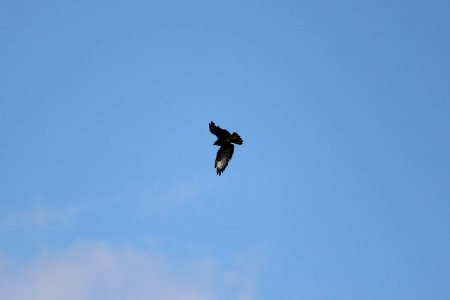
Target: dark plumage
[[226, 150]]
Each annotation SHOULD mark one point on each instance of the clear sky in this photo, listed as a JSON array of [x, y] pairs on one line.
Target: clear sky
[[341, 189]]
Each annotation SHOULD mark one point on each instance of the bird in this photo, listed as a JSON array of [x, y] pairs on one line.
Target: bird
[[225, 140]]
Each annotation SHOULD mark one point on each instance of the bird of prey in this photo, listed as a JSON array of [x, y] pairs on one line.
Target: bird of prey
[[224, 140]]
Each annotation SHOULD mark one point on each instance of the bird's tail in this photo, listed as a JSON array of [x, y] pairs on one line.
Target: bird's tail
[[235, 138]]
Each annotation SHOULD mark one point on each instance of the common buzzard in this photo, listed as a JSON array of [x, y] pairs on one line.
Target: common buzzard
[[224, 140]]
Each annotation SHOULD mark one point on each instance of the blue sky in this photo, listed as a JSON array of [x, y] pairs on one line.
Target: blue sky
[[340, 190]]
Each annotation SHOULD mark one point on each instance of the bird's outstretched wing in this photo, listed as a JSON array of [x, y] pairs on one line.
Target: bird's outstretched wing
[[235, 138], [224, 154], [217, 131]]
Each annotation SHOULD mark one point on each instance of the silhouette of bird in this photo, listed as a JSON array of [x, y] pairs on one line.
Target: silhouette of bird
[[225, 140]]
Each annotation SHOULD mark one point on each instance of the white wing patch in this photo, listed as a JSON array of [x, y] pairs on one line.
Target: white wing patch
[[221, 163]]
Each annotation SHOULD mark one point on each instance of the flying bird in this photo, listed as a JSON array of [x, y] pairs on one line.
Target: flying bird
[[225, 140]]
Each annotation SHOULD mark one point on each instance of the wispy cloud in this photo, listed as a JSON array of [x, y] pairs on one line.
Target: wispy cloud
[[156, 197], [40, 216], [140, 199], [98, 271]]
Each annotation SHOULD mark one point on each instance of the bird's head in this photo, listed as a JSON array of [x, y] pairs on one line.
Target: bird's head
[[216, 143]]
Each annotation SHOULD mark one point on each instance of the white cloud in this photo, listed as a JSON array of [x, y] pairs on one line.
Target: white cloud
[[98, 271]]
